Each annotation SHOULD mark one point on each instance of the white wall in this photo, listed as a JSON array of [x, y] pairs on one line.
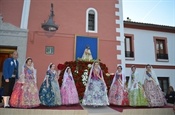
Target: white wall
[[121, 31], [144, 49]]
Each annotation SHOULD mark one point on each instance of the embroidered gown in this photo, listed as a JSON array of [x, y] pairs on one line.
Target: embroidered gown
[[153, 91], [137, 95], [69, 92], [49, 92], [25, 92], [96, 90], [118, 94]]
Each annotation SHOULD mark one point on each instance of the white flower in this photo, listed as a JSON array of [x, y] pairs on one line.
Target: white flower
[[76, 71], [89, 65], [107, 74], [86, 73], [84, 83], [85, 77]]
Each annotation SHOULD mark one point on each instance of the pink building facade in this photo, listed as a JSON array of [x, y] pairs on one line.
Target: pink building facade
[[72, 18]]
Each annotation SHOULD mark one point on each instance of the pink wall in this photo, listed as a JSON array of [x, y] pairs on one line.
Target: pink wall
[[64, 50], [11, 10], [71, 18]]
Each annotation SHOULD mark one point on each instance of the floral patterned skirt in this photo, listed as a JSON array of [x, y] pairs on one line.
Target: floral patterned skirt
[[96, 94], [154, 94], [50, 95], [25, 95], [117, 95], [137, 96], [69, 94]]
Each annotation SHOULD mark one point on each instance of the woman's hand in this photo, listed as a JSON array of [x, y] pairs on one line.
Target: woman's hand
[[6, 80]]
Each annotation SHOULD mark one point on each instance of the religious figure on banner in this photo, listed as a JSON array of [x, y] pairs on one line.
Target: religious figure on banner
[[87, 56]]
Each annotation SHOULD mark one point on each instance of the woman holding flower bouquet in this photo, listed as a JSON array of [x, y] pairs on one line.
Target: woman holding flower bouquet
[[69, 94], [96, 90]]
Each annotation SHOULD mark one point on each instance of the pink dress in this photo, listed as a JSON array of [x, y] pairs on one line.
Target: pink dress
[[118, 95], [25, 94], [153, 91], [69, 93]]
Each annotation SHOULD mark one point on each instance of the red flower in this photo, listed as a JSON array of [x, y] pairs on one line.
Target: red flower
[[60, 67], [81, 66]]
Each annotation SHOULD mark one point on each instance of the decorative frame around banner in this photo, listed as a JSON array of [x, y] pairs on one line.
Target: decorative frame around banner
[[81, 42]]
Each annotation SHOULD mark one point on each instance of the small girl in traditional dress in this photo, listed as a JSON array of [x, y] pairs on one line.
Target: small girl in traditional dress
[[69, 92]]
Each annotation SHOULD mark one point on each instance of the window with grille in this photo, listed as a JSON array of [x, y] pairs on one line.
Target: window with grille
[[91, 20], [129, 44], [161, 48]]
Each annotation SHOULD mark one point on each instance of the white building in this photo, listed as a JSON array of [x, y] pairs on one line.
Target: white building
[[151, 44]]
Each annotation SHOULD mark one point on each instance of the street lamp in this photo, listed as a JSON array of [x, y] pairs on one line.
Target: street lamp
[[50, 24]]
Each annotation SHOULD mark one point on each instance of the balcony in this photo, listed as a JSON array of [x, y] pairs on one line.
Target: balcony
[[129, 54], [162, 56]]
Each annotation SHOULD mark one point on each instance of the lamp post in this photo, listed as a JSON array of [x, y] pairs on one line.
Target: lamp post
[[50, 24]]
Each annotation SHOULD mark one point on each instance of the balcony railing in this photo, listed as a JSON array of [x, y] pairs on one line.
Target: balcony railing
[[162, 56], [129, 54]]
